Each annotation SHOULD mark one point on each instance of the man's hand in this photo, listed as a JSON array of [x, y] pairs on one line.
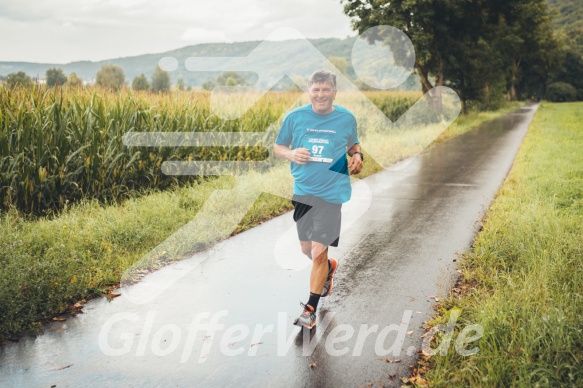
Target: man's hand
[[299, 155], [355, 164]]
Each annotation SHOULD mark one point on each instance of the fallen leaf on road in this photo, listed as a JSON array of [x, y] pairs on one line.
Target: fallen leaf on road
[[59, 319], [258, 343], [78, 305], [113, 295], [314, 364], [392, 360], [410, 332]]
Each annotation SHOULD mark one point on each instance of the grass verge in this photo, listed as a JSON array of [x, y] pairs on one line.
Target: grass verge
[[523, 281], [47, 265]]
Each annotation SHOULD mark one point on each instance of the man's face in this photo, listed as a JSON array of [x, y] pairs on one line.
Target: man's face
[[322, 95]]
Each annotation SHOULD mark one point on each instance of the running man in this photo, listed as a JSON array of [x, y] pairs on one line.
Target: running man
[[315, 138]]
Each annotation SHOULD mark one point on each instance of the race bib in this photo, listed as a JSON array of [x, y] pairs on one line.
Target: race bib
[[321, 147]]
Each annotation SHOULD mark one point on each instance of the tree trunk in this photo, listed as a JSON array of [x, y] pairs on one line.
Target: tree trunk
[[426, 85], [437, 101], [513, 72], [424, 75]]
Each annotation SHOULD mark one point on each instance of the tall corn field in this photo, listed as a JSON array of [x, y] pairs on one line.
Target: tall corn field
[[60, 145]]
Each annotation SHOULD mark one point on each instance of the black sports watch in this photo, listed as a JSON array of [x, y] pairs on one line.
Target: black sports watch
[[360, 153]]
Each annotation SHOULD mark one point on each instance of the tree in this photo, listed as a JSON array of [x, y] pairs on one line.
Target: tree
[[482, 49], [110, 77], [527, 44], [20, 78], [425, 23], [180, 84], [73, 81], [140, 83], [55, 76], [160, 80], [236, 79], [208, 85], [342, 65]]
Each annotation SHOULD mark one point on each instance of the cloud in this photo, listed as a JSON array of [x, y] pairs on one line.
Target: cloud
[[64, 30]]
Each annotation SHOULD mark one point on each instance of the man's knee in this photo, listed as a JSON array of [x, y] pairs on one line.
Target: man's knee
[[306, 248], [319, 252]]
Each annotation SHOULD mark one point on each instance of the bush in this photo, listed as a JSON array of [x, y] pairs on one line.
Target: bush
[[561, 92]]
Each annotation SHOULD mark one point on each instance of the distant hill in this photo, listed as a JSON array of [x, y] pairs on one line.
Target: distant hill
[[280, 54], [569, 18]]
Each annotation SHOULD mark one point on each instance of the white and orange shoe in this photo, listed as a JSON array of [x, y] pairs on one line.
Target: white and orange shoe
[[329, 281], [308, 317]]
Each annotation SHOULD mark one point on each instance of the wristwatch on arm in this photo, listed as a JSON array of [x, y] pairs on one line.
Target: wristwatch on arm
[[360, 153]]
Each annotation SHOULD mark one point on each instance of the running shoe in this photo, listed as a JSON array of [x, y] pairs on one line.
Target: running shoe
[[308, 317], [329, 281]]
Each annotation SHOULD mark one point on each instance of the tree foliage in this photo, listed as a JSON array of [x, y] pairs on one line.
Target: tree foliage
[[341, 64], [160, 80], [561, 92], [55, 76], [73, 81], [231, 78], [180, 84], [208, 85], [569, 20], [483, 49], [19, 79], [140, 82], [110, 77]]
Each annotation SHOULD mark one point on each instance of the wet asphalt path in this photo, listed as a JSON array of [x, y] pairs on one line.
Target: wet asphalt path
[[399, 251]]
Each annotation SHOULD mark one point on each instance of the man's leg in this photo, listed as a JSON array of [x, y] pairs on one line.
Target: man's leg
[[318, 277], [306, 247], [319, 272]]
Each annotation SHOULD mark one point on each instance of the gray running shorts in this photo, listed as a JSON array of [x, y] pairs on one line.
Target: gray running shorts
[[317, 219]]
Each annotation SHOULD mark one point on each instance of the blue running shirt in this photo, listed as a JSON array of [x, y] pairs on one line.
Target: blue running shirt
[[327, 137]]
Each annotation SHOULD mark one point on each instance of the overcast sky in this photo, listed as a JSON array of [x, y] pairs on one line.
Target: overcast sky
[[61, 31]]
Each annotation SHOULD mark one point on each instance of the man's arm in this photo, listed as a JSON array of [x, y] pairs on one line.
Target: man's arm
[[298, 155], [355, 162]]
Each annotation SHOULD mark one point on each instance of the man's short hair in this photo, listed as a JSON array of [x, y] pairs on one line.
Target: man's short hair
[[321, 76]]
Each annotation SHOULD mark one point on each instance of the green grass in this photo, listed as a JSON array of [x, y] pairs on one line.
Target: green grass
[[523, 280], [48, 264]]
